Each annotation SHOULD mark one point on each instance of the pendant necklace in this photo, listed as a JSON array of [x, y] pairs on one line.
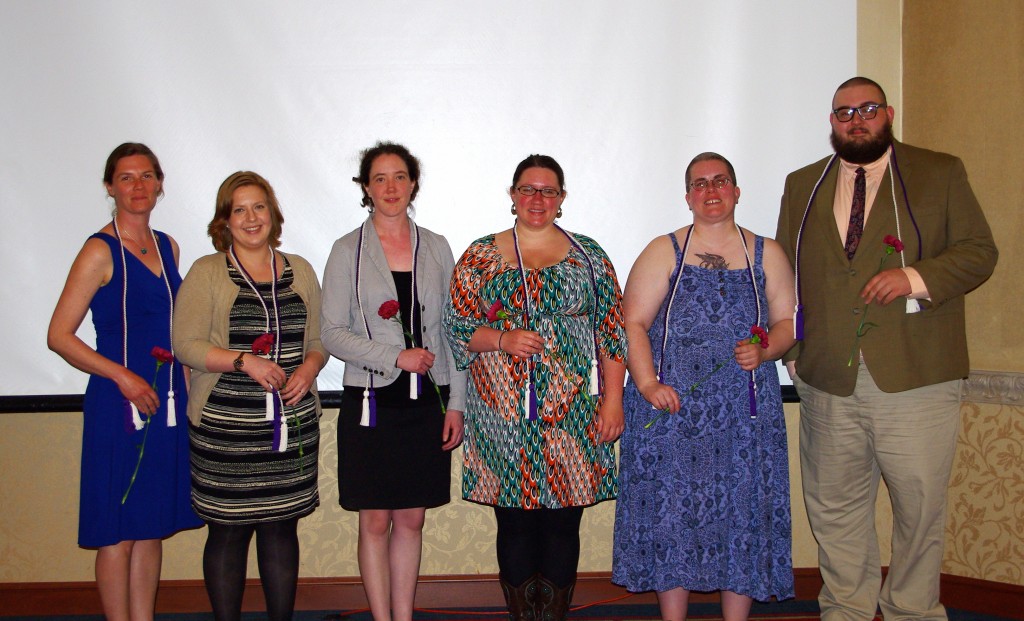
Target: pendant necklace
[[137, 242]]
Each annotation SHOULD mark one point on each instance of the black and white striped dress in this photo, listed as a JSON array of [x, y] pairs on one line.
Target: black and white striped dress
[[237, 475]]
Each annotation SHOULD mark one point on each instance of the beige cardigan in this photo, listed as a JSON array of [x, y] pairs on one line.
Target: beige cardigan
[[201, 313]]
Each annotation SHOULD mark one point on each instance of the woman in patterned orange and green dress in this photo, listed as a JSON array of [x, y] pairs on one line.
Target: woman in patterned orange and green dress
[[535, 315]]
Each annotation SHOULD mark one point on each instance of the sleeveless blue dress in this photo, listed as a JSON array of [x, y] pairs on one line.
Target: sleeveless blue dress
[[704, 494], [160, 500]]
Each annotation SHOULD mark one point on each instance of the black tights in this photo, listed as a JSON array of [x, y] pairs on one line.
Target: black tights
[[225, 559], [544, 541]]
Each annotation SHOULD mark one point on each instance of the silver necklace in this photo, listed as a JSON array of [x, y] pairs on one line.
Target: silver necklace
[[137, 242]]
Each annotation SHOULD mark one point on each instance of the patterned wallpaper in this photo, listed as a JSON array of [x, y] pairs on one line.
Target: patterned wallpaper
[[985, 527]]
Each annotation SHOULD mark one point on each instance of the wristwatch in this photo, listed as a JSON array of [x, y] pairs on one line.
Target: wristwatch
[[239, 363]]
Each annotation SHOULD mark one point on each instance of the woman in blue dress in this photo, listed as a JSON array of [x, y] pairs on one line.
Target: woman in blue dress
[[704, 490], [127, 275]]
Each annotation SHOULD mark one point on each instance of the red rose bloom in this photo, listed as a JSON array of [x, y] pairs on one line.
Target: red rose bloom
[[263, 344], [389, 309], [162, 354]]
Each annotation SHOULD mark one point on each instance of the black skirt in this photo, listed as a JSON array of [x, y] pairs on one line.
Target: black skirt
[[398, 464]]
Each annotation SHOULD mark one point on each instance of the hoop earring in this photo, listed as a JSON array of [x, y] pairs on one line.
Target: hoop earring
[[513, 209], [558, 214]]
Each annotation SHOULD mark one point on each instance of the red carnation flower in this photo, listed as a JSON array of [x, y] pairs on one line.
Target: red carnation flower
[[162, 354], [759, 335], [389, 309], [496, 312], [263, 344], [893, 242]]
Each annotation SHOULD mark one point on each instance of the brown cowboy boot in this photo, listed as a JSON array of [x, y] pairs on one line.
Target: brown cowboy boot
[[521, 600], [552, 601]]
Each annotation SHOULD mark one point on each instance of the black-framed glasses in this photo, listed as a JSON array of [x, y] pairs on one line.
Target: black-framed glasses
[[529, 190], [699, 185], [866, 112]]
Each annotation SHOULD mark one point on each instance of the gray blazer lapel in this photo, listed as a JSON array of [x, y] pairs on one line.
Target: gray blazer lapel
[[375, 253]]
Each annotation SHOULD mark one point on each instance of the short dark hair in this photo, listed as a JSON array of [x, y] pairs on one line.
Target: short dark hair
[[539, 161], [706, 156], [129, 149], [368, 156], [862, 81], [218, 227]]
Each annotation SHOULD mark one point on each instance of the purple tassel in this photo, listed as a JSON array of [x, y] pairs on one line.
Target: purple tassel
[[277, 422], [798, 323], [373, 409], [753, 396], [533, 402], [419, 384]]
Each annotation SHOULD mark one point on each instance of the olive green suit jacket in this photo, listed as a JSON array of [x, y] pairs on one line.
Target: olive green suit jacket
[[903, 351]]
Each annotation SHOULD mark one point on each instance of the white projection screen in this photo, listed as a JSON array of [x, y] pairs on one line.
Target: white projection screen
[[623, 94]]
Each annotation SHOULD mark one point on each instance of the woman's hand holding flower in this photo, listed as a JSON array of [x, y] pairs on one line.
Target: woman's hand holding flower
[[522, 343], [415, 360], [266, 373], [660, 396], [750, 353], [300, 382], [138, 391]]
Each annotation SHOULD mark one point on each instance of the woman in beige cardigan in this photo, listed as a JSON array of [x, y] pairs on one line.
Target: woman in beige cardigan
[[248, 323]]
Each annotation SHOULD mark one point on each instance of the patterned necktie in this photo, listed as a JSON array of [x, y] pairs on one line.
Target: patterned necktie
[[856, 228]]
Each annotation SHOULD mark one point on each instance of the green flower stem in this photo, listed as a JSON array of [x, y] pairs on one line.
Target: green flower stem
[[145, 434], [142, 449], [444, 410], [864, 326], [692, 388]]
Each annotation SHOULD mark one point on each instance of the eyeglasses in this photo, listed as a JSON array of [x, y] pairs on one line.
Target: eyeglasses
[[699, 185], [866, 113], [529, 190]]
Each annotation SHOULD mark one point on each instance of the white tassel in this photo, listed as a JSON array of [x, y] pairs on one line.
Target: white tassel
[[284, 435], [136, 419], [913, 306], [414, 393], [172, 419], [364, 421], [526, 401], [594, 389], [270, 406]]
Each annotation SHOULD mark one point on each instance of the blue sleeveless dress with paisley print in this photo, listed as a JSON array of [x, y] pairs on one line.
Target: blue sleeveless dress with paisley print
[[704, 494]]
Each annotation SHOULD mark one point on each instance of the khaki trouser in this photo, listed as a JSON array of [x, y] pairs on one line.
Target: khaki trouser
[[847, 443]]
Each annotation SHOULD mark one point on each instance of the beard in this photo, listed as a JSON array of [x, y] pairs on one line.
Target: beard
[[863, 152]]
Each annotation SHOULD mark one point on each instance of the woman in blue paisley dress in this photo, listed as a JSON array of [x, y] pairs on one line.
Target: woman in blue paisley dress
[[704, 490]]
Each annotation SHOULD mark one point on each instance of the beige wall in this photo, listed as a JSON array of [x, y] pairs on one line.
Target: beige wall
[[963, 64], [952, 70]]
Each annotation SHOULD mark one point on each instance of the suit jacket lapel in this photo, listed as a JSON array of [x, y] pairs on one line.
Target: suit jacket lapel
[[823, 215]]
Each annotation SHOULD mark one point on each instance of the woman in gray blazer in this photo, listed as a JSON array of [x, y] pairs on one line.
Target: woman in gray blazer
[[401, 414]]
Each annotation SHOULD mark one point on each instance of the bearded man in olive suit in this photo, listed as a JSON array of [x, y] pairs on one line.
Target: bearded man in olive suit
[[880, 394]]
